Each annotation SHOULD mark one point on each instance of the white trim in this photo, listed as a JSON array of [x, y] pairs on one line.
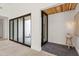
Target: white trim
[[77, 50]]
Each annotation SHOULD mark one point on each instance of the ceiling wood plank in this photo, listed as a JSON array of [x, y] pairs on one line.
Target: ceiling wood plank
[[61, 8]]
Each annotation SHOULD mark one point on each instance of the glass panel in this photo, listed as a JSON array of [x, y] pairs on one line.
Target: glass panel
[[15, 30], [44, 28], [20, 30], [27, 30], [11, 30]]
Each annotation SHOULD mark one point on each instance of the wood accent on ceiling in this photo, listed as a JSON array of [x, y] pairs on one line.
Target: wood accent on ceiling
[[61, 8]]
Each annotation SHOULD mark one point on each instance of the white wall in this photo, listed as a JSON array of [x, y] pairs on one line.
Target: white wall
[[4, 27], [57, 26], [36, 29], [76, 38], [1, 28]]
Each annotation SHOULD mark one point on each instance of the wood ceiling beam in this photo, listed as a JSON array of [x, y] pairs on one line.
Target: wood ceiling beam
[[61, 8]]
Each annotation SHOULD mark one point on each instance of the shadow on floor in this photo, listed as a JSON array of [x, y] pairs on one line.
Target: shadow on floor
[[59, 50]]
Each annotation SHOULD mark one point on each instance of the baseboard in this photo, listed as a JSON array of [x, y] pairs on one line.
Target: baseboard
[[77, 50], [59, 44], [5, 38]]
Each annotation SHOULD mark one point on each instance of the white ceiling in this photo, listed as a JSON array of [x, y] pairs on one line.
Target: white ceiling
[[12, 9]]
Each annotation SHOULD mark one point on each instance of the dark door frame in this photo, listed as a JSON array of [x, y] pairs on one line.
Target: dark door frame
[[17, 29], [42, 41]]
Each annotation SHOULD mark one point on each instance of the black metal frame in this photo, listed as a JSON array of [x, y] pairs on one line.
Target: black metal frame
[[17, 29], [23, 31], [42, 42]]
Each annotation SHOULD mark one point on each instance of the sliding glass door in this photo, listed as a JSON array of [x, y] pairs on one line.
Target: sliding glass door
[[15, 29], [27, 27], [20, 30], [44, 28]]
